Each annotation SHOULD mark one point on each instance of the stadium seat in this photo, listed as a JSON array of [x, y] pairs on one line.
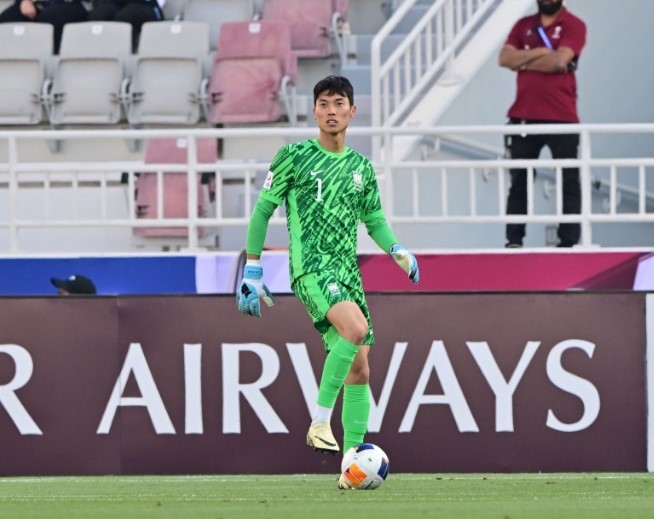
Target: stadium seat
[[90, 72], [25, 51], [215, 13], [168, 73], [173, 10], [174, 196], [314, 23], [253, 75]]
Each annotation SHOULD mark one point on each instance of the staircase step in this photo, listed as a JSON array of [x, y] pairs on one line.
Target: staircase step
[[412, 17], [364, 45], [359, 76]]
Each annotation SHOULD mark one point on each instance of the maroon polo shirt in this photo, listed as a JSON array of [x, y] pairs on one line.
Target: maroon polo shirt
[[543, 96]]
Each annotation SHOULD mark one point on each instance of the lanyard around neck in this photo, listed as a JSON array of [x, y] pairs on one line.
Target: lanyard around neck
[[543, 36]]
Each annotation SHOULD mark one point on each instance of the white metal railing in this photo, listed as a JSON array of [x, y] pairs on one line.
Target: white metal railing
[[427, 50], [426, 190]]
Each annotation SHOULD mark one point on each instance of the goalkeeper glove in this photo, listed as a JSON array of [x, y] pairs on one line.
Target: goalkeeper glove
[[251, 289], [407, 262]]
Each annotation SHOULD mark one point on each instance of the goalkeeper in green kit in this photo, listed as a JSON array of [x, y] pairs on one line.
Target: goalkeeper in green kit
[[328, 189]]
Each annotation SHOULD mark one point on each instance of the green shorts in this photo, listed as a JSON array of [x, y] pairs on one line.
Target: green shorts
[[318, 292]]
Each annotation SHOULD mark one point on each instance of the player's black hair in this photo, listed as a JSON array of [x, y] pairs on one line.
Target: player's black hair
[[334, 85]]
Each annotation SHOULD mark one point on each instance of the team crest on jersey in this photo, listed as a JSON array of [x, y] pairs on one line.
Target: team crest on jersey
[[333, 289], [268, 182], [357, 179]]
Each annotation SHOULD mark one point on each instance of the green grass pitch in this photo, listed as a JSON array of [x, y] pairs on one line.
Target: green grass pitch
[[403, 496]]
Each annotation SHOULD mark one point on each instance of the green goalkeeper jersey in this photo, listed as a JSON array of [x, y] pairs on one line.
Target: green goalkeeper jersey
[[326, 196]]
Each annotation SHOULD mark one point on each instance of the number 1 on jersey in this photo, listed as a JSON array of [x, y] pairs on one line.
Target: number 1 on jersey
[[319, 193]]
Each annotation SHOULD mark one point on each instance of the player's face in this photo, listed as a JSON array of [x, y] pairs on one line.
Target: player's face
[[333, 112]]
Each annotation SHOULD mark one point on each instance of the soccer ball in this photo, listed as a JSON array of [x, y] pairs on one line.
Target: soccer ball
[[365, 466]]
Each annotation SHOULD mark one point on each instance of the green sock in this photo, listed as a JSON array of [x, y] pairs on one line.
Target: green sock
[[337, 366], [356, 409]]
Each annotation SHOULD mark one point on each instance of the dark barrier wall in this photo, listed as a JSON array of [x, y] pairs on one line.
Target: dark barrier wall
[[186, 384]]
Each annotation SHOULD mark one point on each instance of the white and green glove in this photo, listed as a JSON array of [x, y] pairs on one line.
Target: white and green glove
[[251, 289], [407, 262]]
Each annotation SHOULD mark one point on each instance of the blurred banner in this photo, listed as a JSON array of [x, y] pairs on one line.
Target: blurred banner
[[496, 382], [219, 272]]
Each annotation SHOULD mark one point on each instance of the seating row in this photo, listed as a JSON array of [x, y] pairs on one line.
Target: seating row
[[312, 22], [174, 78], [250, 78]]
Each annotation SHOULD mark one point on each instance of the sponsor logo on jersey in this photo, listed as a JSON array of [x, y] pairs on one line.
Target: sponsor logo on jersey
[[267, 184], [318, 172], [357, 179]]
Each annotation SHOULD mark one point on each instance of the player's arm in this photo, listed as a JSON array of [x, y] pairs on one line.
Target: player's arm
[[520, 59], [381, 233], [251, 287]]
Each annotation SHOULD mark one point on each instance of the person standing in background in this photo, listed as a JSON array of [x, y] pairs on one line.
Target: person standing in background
[[544, 49]]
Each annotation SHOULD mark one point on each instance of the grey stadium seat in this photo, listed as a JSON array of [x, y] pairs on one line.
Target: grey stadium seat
[[173, 10], [168, 73], [86, 86], [25, 50]]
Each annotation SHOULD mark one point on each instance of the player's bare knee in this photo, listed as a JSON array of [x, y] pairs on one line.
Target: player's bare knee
[[359, 374], [358, 333], [363, 375]]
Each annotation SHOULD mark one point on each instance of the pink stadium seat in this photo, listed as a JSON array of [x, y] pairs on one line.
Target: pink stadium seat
[[253, 74], [313, 23], [175, 187]]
